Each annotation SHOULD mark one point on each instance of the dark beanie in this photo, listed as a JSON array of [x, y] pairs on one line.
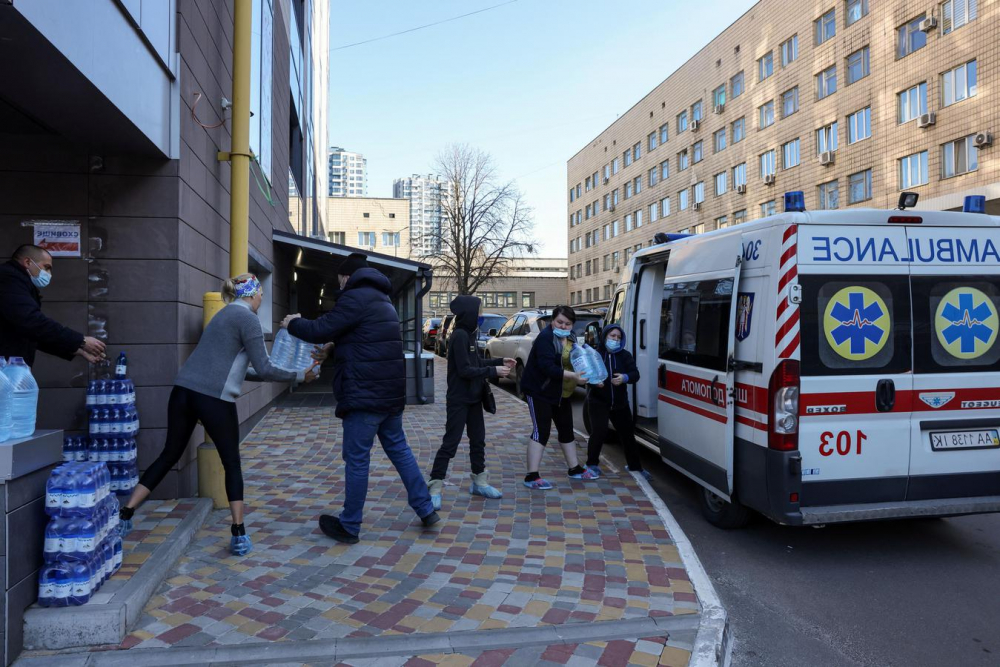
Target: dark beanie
[[352, 263]]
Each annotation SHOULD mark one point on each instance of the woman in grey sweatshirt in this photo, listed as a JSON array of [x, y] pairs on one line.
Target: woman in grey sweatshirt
[[206, 390]]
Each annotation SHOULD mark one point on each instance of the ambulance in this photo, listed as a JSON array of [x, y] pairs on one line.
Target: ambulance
[[823, 366]]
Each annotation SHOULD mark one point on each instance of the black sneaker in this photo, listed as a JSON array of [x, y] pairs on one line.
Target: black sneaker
[[430, 519], [331, 527]]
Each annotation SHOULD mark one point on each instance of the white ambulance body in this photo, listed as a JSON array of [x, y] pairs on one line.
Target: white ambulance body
[[824, 366]]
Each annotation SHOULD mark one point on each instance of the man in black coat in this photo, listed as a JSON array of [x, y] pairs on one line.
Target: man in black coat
[[24, 328], [467, 375], [369, 381]]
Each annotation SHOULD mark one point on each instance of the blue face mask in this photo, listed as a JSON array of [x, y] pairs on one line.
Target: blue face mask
[[42, 279], [613, 345], [562, 333]]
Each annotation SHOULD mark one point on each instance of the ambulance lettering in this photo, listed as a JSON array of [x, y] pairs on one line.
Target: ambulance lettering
[[916, 250], [704, 391], [751, 251]]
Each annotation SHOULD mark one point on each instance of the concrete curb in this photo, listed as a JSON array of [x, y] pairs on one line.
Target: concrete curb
[[108, 622]]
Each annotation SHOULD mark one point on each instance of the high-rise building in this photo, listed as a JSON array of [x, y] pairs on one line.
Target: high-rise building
[[850, 102], [427, 195], [347, 173]]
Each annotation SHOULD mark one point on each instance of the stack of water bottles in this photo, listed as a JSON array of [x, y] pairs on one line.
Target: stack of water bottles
[[82, 546], [114, 425], [290, 353], [18, 399], [587, 361]]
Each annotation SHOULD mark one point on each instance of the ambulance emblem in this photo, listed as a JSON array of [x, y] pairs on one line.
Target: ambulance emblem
[[966, 323], [937, 400], [744, 311], [856, 323]]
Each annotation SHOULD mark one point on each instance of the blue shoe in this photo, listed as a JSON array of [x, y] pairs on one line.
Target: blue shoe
[[538, 485], [240, 545], [587, 473], [436, 486], [643, 472], [481, 487], [595, 472]]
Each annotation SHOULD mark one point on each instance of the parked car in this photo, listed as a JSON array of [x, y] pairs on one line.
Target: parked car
[[441, 340], [488, 322], [431, 326], [515, 337]]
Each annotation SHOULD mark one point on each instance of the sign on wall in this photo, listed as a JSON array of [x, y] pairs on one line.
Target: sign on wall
[[60, 238]]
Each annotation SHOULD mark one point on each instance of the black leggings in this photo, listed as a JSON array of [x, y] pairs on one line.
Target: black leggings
[[621, 418], [184, 410], [466, 417], [542, 416]]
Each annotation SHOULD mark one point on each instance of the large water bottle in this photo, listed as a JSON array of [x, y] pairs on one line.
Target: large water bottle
[[121, 367], [54, 492], [24, 403], [117, 542], [70, 491], [6, 397], [53, 545], [100, 392], [91, 393], [62, 579], [587, 362], [81, 583], [87, 491], [47, 586], [290, 353]]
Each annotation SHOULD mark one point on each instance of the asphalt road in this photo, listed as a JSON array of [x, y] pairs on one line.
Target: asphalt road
[[909, 593]]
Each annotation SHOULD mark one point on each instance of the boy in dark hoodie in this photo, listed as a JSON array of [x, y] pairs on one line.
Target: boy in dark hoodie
[[467, 375], [609, 401]]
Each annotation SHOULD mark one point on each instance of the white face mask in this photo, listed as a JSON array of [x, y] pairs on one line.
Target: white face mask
[[43, 278]]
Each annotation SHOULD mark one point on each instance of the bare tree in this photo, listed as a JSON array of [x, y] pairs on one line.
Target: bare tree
[[485, 223]]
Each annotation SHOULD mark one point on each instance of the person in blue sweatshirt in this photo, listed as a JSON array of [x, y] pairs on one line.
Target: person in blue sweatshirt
[[608, 401]]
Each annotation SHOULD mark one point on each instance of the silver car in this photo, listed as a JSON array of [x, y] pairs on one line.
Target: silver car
[[515, 337]]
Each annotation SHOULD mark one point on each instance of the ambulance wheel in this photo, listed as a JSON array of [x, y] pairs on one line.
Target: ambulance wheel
[[720, 513]]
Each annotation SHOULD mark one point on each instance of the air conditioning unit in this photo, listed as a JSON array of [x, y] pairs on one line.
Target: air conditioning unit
[[696, 205], [741, 189], [605, 180], [827, 158], [927, 119], [695, 124], [719, 108], [769, 179], [983, 139], [927, 24], [611, 209]]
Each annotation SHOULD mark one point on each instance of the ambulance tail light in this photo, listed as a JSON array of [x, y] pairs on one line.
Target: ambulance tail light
[[905, 219], [783, 407]]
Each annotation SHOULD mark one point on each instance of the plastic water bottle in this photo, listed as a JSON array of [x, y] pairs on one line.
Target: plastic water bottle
[[92, 393], [53, 545], [100, 392], [121, 366], [81, 584], [24, 397], [69, 453], [47, 585], [54, 492], [290, 353], [62, 580], [117, 542], [6, 397], [87, 491], [70, 492]]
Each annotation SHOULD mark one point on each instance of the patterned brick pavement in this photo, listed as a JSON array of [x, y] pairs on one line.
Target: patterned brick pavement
[[585, 551]]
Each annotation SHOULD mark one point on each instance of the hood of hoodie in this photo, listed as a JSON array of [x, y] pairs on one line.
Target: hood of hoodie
[[604, 335], [466, 309], [370, 277]]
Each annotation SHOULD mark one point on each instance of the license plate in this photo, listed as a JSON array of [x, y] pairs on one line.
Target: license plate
[[964, 439]]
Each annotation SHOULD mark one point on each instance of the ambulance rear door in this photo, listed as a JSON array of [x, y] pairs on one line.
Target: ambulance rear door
[[955, 439]]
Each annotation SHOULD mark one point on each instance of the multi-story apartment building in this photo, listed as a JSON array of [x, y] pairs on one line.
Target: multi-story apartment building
[[849, 101], [531, 282], [427, 195], [347, 173], [370, 223]]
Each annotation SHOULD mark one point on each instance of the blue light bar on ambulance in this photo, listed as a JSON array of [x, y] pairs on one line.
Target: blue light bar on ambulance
[[974, 204], [795, 201], [663, 237]]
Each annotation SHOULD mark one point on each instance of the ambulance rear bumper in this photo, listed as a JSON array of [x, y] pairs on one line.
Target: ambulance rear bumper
[[812, 516]]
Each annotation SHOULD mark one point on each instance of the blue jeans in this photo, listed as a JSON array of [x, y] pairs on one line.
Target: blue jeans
[[360, 429]]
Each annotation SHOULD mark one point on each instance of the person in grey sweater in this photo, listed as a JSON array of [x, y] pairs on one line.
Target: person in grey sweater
[[206, 390]]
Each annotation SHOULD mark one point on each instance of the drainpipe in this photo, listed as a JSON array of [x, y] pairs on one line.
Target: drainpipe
[[427, 279]]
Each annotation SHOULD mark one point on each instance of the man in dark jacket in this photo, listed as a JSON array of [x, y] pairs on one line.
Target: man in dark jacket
[[24, 328], [467, 375], [369, 381], [609, 401]]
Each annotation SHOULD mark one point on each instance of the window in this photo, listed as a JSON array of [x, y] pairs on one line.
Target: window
[[826, 82], [607, 262], [739, 130], [721, 182], [638, 219], [959, 83], [578, 192], [698, 153], [740, 175], [653, 176], [913, 170], [955, 299], [607, 231], [694, 321], [665, 207], [956, 13], [628, 189], [390, 240], [826, 138], [682, 160], [595, 180], [790, 154], [721, 222], [765, 66], [339, 238], [607, 172], [664, 170], [829, 195], [736, 85], [740, 216], [682, 121], [699, 228], [627, 155], [859, 125], [654, 212], [614, 229], [719, 96], [664, 132], [614, 197], [607, 202], [912, 103], [628, 222], [719, 140], [637, 185], [767, 164], [683, 196], [768, 208], [857, 65], [696, 111], [789, 51], [789, 102], [859, 186], [366, 239], [699, 192], [615, 263], [528, 298], [651, 141], [637, 151], [959, 157], [614, 166], [587, 214], [826, 26], [586, 184], [856, 9], [766, 113], [910, 38]]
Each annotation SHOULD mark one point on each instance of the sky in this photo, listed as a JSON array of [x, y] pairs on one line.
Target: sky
[[530, 82]]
